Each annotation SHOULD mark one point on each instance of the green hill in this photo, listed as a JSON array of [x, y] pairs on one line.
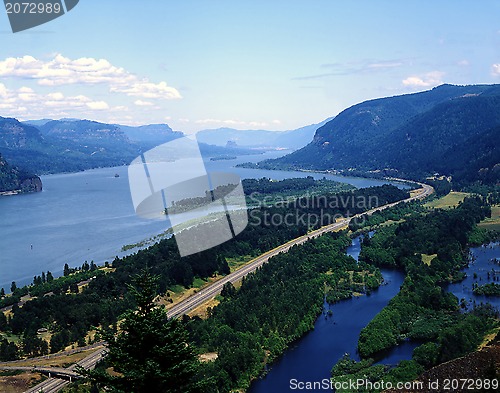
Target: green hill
[[452, 130], [64, 146]]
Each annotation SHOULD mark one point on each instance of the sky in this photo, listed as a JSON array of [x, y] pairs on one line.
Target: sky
[[246, 64]]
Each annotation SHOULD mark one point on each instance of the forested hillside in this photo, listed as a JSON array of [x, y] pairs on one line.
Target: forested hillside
[[412, 135], [64, 146]]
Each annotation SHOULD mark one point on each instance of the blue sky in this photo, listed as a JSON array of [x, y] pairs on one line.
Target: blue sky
[[244, 64]]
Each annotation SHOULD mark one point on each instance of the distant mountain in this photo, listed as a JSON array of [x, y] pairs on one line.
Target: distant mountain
[[36, 123], [293, 139], [15, 135], [70, 145], [151, 133], [411, 135], [65, 145], [83, 131], [13, 180]]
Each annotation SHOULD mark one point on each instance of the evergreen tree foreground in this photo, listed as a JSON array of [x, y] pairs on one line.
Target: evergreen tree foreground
[[151, 352]]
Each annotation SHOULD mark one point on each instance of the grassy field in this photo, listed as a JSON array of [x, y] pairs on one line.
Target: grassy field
[[492, 223], [239, 261], [13, 382], [426, 258], [448, 201]]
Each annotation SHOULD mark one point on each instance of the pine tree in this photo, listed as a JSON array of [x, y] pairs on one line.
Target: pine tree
[[151, 353]]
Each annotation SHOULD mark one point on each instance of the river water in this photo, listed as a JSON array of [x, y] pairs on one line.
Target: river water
[[89, 216], [313, 356]]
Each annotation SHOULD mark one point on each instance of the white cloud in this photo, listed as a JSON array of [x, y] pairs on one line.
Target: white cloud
[[3, 90], [148, 90], [26, 102], [143, 103], [463, 63], [384, 65], [495, 69], [86, 70], [429, 79], [98, 105]]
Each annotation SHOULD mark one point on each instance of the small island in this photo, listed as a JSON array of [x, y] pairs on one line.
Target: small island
[[221, 158], [492, 289]]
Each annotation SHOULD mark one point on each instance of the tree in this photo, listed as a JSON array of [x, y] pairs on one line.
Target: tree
[[67, 271], [2, 292], [228, 291], [13, 287], [50, 277], [151, 353]]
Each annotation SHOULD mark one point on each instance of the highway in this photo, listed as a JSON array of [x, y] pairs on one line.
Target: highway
[[53, 385], [214, 289]]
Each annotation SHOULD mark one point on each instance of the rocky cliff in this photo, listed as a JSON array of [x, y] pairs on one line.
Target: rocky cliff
[[16, 181]]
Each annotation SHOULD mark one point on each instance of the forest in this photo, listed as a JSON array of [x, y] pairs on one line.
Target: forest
[[106, 295]]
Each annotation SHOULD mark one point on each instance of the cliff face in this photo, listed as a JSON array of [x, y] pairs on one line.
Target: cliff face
[[31, 184], [15, 181]]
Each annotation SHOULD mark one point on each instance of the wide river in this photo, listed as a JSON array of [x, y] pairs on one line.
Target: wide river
[[89, 215]]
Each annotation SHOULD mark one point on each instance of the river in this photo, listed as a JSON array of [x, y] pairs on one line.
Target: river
[[313, 356], [89, 215]]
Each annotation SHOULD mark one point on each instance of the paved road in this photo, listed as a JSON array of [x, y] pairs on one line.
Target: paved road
[[214, 289], [53, 385], [60, 372], [53, 355]]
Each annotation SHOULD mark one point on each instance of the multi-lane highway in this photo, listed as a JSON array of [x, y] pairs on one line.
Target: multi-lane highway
[[53, 385], [214, 289]]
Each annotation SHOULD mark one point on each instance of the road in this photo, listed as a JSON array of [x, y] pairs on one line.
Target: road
[[214, 289], [53, 385], [59, 372], [53, 355]]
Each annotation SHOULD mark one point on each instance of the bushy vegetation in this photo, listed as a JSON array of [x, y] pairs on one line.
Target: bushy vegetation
[[491, 289], [422, 308]]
